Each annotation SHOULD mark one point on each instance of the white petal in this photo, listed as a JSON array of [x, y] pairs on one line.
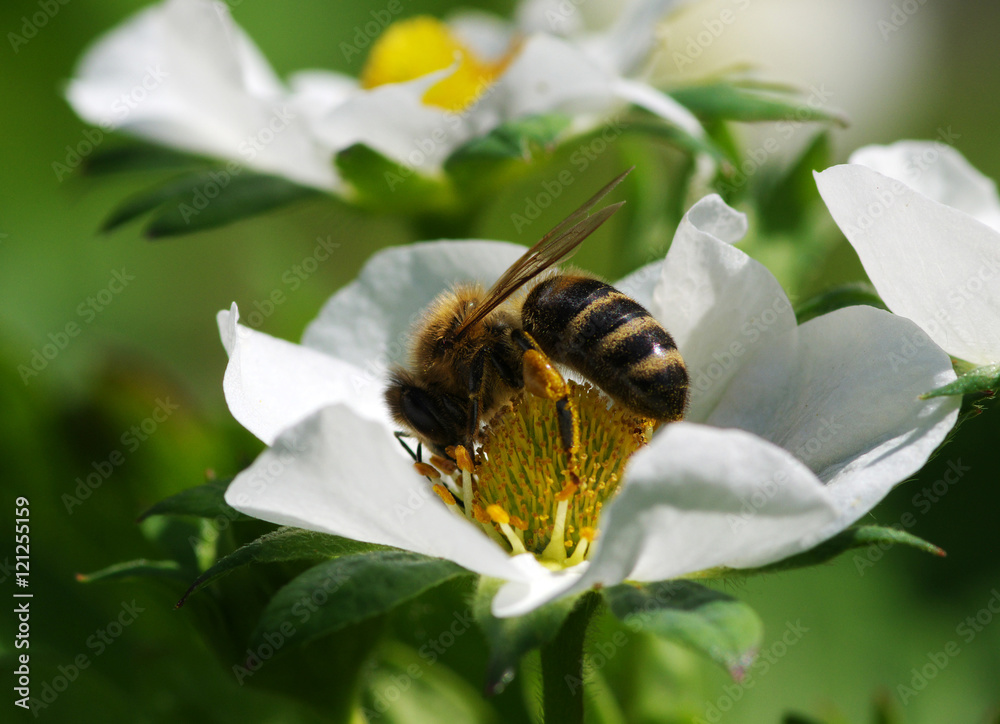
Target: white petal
[[699, 497], [271, 384], [845, 401], [929, 262], [393, 120], [314, 93], [626, 44], [487, 35], [539, 586], [642, 283], [718, 303], [937, 171], [341, 474], [547, 75], [367, 323], [183, 74]]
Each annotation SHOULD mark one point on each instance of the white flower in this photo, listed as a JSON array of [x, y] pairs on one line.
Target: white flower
[[183, 74], [926, 225], [793, 433]]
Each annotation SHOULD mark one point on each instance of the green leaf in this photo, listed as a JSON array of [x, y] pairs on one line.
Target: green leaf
[[141, 568], [385, 185], [708, 621], [846, 295], [137, 157], [344, 591], [511, 638], [283, 544], [518, 139], [223, 198], [203, 501], [743, 103], [148, 199], [980, 379]]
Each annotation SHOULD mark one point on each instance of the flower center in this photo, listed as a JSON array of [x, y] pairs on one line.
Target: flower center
[[417, 46], [526, 491]]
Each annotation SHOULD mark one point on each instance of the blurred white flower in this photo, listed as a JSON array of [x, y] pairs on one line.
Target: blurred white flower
[[793, 432], [926, 226], [427, 87]]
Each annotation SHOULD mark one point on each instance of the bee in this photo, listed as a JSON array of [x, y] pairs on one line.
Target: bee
[[474, 349]]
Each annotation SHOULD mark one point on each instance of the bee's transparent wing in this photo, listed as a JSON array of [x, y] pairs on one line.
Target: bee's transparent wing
[[555, 247]]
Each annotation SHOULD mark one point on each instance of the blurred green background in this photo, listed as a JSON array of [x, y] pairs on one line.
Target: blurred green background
[[868, 627]]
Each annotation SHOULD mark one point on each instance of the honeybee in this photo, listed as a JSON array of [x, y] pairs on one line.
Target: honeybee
[[474, 349]]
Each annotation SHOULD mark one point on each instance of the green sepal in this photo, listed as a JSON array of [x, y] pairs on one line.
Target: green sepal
[[202, 501], [725, 101], [344, 591], [511, 638], [979, 379], [654, 127], [518, 139], [140, 568], [861, 536], [845, 295], [283, 544], [223, 196], [385, 185], [136, 157], [240, 196], [785, 203], [725, 629]]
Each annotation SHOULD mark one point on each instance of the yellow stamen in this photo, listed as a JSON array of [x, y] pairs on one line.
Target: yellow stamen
[[445, 465], [501, 518], [417, 46], [463, 459], [445, 494]]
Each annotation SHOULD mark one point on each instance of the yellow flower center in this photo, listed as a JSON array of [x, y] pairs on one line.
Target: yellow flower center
[[526, 491], [415, 47]]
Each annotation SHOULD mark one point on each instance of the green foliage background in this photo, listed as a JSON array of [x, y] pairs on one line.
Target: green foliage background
[[867, 626]]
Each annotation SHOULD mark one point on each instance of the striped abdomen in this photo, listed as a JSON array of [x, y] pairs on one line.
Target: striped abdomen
[[610, 339]]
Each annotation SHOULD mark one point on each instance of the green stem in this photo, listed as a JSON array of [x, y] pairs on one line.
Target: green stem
[[562, 666]]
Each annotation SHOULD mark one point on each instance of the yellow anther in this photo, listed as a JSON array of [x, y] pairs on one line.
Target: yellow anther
[[498, 514], [428, 471], [444, 494], [479, 514], [568, 491], [518, 523], [445, 465], [588, 533], [463, 459]]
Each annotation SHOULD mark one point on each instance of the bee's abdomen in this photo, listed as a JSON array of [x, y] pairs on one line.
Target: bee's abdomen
[[610, 339]]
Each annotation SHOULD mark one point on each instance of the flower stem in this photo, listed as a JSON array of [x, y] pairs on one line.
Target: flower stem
[[562, 666]]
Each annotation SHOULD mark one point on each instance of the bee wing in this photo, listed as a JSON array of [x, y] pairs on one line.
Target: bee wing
[[555, 247]]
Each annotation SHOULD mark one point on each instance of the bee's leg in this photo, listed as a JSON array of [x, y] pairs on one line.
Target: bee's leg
[[542, 379], [476, 375], [399, 435]]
